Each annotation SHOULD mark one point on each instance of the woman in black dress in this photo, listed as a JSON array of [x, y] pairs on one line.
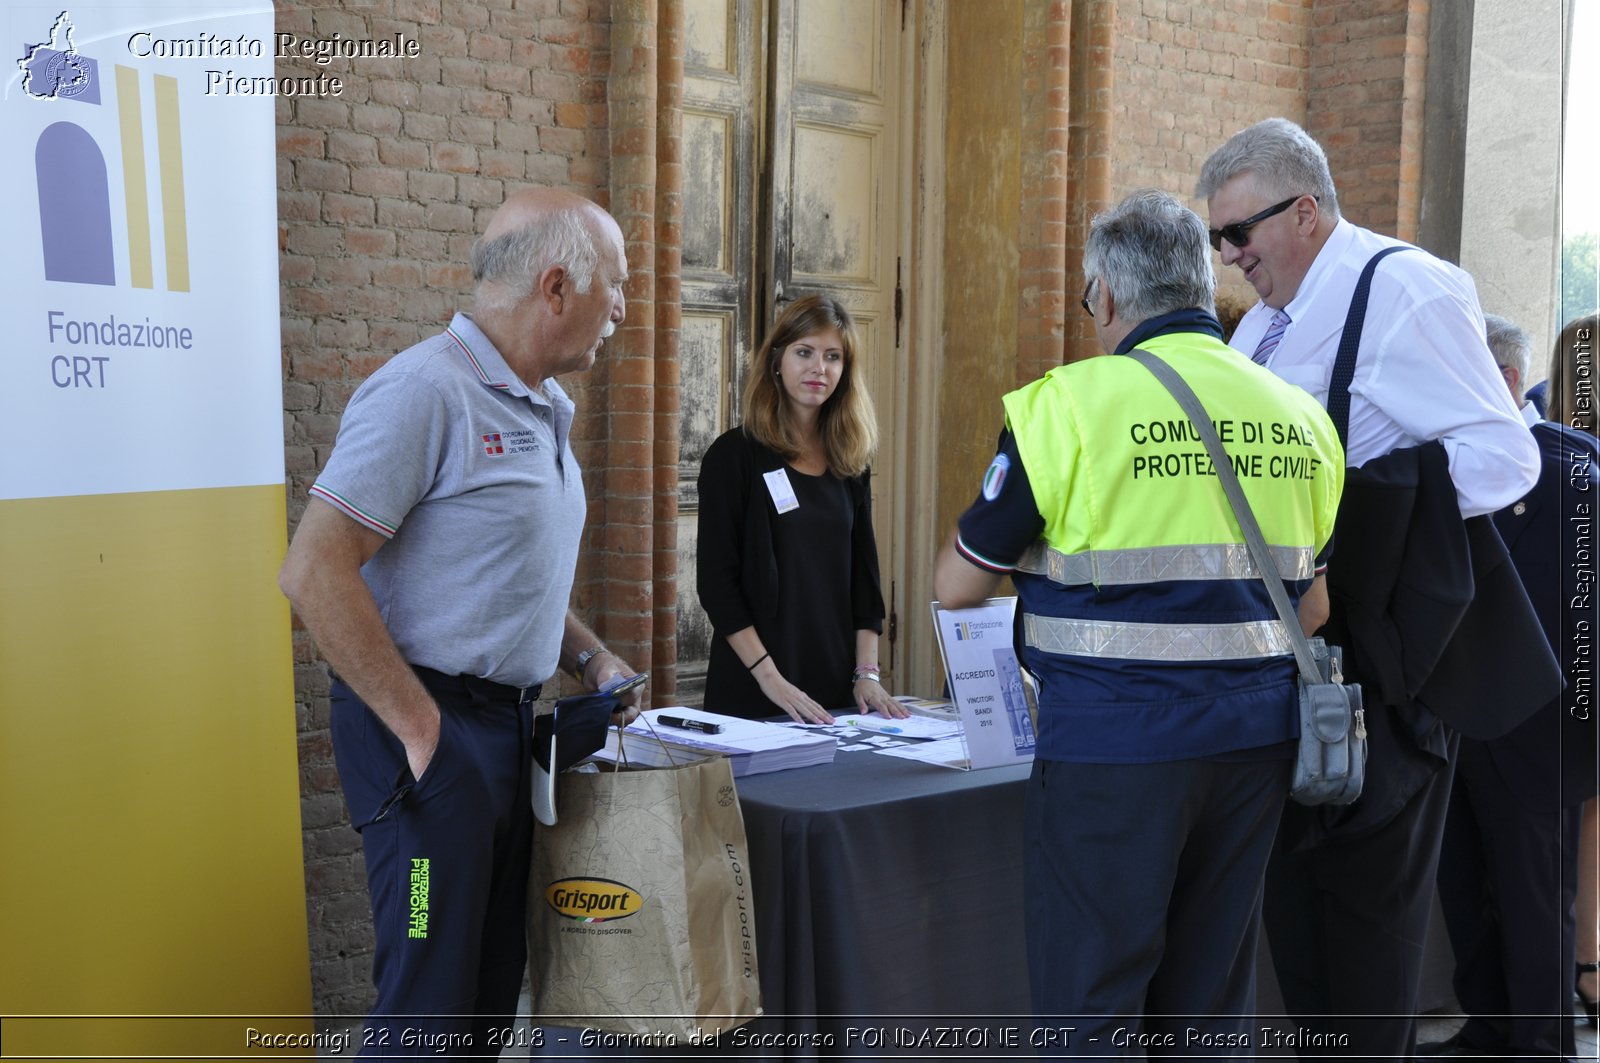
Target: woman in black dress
[[788, 565]]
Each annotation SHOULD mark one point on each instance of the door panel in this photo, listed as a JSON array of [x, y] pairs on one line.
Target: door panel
[[839, 46], [834, 235], [722, 96], [835, 216], [791, 98]]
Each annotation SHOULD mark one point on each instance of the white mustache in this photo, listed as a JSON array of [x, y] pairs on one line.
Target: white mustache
[[611, 326]]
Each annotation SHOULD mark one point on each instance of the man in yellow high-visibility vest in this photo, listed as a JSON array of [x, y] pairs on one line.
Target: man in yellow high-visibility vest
[[1166, 682]]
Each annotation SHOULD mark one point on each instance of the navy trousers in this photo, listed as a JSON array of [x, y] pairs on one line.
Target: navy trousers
[[447, 865], [1142, 892], [1508, 876], [1347, 919]]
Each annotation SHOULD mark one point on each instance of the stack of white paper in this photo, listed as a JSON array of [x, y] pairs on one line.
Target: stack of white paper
[[751, 746]]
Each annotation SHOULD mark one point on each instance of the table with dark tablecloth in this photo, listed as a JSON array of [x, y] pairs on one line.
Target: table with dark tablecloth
[[888, 903], [885, 887]]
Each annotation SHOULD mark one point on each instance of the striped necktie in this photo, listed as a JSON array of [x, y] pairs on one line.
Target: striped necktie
[[1269, 342]]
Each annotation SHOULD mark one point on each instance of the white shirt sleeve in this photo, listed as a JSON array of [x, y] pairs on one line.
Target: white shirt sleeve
[[1429, 370]]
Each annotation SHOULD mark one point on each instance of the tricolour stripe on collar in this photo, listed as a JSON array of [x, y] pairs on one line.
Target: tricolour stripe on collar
[[477, 366]]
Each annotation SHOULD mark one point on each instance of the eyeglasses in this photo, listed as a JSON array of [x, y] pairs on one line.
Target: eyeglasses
[[1084, 302], [1238, 233]]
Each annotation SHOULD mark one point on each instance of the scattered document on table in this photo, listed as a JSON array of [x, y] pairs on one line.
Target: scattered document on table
[[910, 726], [944, 752]]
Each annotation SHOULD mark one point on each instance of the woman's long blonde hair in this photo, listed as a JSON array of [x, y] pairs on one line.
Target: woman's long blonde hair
[[847, 423]]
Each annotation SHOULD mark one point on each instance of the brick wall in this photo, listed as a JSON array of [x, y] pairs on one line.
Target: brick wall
[[1191, 74], [1364, 105], [381, 192]]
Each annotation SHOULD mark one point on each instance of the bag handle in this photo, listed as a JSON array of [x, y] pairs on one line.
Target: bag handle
[[1266, 567], [622, 752]]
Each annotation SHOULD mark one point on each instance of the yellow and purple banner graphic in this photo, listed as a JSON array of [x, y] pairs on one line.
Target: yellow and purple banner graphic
[[149, 798]]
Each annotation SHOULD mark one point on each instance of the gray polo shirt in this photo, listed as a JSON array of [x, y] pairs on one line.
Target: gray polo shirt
[[467, 473]]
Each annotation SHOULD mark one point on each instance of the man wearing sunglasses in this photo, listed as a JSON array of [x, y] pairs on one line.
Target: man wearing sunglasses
[[1348, 890]]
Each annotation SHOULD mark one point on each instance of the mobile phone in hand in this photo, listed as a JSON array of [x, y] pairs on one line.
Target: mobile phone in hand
[[619, 685]]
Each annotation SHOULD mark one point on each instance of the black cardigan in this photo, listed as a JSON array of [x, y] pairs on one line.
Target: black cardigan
[[736, 571]]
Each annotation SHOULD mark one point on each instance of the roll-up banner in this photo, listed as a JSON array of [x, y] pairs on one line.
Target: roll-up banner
[[149, 804]]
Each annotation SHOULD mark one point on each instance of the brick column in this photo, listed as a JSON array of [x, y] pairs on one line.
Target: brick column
[[624, 522], [637, 525], [1089, 154], [1042, 279], [669, 314]]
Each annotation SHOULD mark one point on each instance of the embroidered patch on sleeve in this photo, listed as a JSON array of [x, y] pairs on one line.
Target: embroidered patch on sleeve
[[995, 477]]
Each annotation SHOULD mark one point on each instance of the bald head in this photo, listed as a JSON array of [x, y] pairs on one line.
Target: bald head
[[533, 230], [550, 268]]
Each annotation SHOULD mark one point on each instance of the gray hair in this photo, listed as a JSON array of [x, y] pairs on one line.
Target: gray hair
[[1281, 156], [507, 267], [1152, 252], [1510, 344]]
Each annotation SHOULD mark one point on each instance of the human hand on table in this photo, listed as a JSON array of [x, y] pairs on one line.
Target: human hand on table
[[788, 697], [870, 696]]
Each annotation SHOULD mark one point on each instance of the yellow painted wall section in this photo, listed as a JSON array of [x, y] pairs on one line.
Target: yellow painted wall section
[[149, 803], [983, 191]]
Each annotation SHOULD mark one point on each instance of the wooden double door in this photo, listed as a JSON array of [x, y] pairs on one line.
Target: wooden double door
[[793, 183]]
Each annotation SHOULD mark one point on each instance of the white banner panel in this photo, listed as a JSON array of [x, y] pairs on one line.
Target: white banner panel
[[141, 248]]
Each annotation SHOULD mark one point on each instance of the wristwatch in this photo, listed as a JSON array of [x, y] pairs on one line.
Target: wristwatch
[[583, 661]]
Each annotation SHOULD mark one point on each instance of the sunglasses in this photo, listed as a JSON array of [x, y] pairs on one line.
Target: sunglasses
[[1238, 233], [1084, 302]]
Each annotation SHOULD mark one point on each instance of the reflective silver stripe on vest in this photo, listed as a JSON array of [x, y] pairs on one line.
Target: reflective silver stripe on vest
[[1155, 642], [1161, 564]]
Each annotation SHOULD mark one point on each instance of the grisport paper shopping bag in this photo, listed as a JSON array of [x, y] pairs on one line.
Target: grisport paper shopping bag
[[639, 909]]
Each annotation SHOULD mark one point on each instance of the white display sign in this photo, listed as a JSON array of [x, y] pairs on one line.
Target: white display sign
[[986, 681], [141, 248]]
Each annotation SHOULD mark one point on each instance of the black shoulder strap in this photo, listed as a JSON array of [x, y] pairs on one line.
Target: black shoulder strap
[[1344, 364]]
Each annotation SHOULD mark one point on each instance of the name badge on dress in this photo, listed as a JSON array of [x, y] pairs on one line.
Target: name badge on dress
[[782, 492]]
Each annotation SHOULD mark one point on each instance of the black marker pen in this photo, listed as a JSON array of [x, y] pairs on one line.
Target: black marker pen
[[690, 725]]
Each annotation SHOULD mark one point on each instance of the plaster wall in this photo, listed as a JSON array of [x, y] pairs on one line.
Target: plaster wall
[[1511, 199]]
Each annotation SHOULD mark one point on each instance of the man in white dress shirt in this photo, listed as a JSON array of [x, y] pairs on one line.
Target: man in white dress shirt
[[1348, 891]]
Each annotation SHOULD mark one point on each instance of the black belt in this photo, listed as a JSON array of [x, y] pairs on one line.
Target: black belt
[[470, 685], [477, 686]]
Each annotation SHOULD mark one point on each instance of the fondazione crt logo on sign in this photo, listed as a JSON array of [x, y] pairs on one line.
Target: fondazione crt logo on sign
[[143, 243], [73, 180]]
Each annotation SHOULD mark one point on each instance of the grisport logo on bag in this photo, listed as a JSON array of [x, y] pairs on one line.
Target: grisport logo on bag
[[593, 900]]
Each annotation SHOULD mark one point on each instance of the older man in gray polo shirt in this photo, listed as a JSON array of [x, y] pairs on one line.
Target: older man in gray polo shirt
[[433, 565]]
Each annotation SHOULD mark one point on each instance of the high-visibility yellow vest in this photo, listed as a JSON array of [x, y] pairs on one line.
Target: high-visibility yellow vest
[[1141, 613]]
